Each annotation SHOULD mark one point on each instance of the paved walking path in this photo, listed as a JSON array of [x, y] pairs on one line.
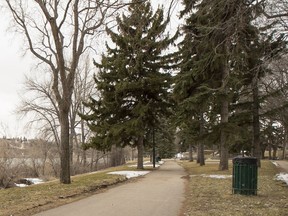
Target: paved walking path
[[159, 193], [283, 164]]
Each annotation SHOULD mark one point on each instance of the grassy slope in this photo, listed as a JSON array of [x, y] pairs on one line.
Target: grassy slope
[[32, 199], [210, 196]]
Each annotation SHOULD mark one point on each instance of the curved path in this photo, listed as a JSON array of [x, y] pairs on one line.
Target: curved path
[[161, 192]]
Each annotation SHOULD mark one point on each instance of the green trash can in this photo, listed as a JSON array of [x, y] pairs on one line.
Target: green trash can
[[245, 175]]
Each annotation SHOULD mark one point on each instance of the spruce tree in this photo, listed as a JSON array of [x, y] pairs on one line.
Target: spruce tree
[[218, 56], [134, 80]]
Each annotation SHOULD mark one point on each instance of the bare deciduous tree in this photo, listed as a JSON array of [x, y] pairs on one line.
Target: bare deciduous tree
[[42, 104], [58, 33]]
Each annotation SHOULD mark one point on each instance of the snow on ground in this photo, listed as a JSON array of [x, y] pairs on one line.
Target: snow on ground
[[133, 174], [214, 176], [275, 163], [149, 164], [35, 180], [31, 180], [130, 174], [21, 185], [282, 177], [218, 176]]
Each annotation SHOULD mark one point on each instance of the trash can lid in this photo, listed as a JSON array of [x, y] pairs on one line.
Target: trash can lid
[[245, 160]]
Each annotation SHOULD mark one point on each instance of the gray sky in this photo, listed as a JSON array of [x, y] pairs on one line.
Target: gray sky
[[13, 67]]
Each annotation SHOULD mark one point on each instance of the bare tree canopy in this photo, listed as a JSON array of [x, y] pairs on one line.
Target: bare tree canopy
[[57, 34]]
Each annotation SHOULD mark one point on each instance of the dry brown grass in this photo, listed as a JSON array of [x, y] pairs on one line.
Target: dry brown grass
[[211, 196], [29, 200], [204, 197]]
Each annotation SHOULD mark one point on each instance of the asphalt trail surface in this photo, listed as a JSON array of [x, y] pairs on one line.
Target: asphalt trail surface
[[283, 165], [159, 193]]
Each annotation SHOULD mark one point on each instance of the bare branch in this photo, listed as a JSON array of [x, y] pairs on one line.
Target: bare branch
[[58, 33]]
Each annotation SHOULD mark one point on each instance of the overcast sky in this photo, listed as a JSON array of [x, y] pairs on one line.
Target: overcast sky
[[13, 67]]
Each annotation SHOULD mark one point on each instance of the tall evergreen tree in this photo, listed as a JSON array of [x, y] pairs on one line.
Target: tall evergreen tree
[[216, 54], [133, 81]]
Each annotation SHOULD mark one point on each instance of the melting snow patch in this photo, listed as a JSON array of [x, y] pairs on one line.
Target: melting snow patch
[[29, 181], [218, 176], [35, 180], [214, 176], [282, 177], [130, 174], [275, 163], [21, 185], [149, 164]]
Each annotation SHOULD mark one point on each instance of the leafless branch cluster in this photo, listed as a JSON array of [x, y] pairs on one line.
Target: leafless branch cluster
[[57, 34]]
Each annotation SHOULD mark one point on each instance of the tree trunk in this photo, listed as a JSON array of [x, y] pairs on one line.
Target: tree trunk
[[274, 157], [284, 146], [117, 157], [65, 148], [83, 141], [269, 151], [263, 149], [256, 123], [201, 154], [190, 153], [140, 148], [198, 153], [285, 143], [92, 159], [201, 144], [223, 165], [71, 150]]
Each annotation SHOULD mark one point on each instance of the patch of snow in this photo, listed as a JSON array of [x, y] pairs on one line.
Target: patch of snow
[[282, 177], [130, 174], [21, 185], [149, 164], [32, 180], [35, 180], [218, 176], [179, 156], [275, 163], [214, 176]]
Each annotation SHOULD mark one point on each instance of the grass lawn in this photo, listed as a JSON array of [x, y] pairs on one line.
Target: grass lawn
[[204, 196], [29, 200], [212, 196]]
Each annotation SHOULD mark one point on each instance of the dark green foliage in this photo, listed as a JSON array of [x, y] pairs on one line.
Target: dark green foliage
[[220, 35], [165, 140], [133, 82]]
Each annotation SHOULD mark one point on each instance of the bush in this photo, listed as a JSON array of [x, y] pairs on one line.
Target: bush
[[8, 173]]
